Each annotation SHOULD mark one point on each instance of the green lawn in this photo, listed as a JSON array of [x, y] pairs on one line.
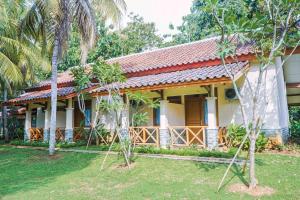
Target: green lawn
[[31, 174]]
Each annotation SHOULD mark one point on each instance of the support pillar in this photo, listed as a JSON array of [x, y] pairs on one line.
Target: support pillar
[[212, 129], [69, 121], [47, 122], [164, 124], [27, 123], [283, 111]]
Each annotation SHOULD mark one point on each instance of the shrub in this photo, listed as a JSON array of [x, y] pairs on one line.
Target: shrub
[[186, 152], [294, 113], [236, 133], [46, 144]]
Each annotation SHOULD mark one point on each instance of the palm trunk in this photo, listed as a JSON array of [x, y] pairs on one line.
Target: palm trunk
[[4, 114], [253, 180], [53, 96]]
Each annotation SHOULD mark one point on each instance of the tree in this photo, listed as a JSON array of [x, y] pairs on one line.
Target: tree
[[48, 19], [19, 57], [200, 24], [271, 31], [136, 37], [139, 36]]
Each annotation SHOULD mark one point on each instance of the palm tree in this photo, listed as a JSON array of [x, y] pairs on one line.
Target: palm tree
[[18, 58], [51, 20]]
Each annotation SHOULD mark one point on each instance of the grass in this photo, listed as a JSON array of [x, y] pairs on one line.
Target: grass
[[31, 174]]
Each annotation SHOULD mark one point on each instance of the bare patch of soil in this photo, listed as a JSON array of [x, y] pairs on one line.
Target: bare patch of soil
[[124, 166], [44, 158], [256, 192]]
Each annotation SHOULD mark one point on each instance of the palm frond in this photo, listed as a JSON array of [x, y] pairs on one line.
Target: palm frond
[[9, 71], [111, 9], [85, 18]]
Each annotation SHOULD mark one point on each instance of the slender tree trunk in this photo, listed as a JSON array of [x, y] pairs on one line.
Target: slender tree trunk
[[253, 180], [53, 96], [4, 114]]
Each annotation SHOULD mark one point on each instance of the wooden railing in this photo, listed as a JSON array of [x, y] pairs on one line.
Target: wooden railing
[[145, 135], [187, 136], [36, 134], [222, 141], [60, 134]]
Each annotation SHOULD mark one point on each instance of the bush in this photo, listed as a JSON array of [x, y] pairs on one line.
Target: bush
[[186, 152], [46, 144], [236, 133], [294, 113]]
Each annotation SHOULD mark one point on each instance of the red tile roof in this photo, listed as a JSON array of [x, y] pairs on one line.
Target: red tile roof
[[185, 76], [62, 78], [199, 51], [43, 94], [189, 53]]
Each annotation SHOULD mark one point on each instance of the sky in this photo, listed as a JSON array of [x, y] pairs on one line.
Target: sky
[[161, 12]]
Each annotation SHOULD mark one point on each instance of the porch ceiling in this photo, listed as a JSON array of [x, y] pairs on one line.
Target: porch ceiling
[[204, 75]]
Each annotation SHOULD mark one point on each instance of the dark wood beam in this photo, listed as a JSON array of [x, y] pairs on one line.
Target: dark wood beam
[[160, 92], [207, 88], [293, 85], [293, 95]]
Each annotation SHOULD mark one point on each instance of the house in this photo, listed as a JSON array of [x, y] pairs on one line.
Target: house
[[196, 94]]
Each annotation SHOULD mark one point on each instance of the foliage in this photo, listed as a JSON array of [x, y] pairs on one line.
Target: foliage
[[16, 128], [138, 102], [236, 133], [46, 144], [200, 23], [294, 114], [137, 36], [19, 57], [107, 73]]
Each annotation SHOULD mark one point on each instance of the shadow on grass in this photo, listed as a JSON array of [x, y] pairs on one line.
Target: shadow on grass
[[26, 169], [235, 171]]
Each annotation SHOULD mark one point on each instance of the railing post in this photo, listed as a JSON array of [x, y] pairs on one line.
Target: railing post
[[187, 135], [144, 134]]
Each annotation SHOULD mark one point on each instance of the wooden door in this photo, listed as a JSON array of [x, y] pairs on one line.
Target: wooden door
[[194, 115]]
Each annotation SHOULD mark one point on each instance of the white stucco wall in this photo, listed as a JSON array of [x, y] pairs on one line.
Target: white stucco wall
[[176, 114], [61, 119], [229, 110], [40, 118], [292, 69]]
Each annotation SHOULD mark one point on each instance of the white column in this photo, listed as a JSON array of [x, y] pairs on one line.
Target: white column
[[47, 122], [164, 124], [27, 123], [69, 121], [212, 129], [283, 111], [211, 112]]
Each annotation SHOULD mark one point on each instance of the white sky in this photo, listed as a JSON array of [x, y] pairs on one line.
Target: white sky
[[161, 12]]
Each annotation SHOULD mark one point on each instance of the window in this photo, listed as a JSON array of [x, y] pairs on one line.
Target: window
[[156, 116], [87, 118], [174, 99]]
